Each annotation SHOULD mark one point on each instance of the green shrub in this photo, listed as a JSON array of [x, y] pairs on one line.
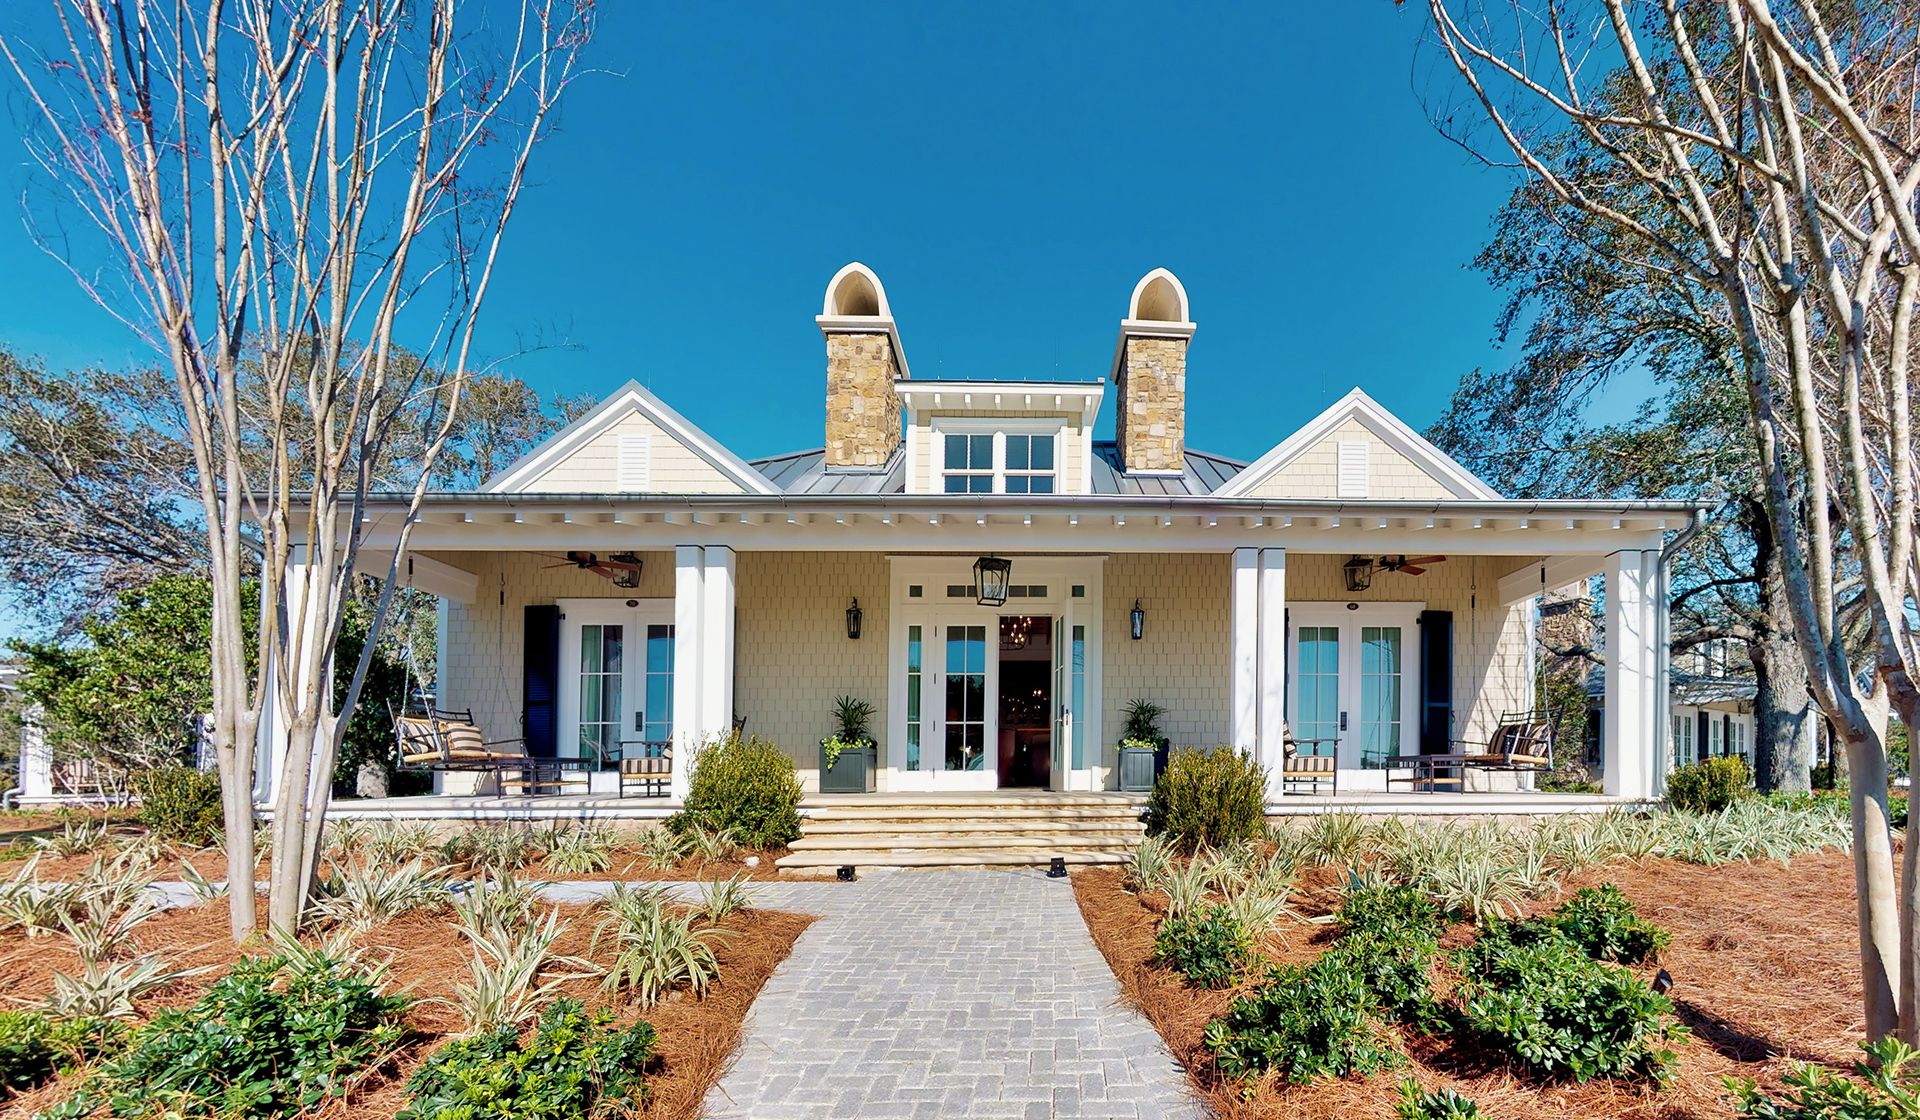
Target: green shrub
[[34, 1045], [181, 804], [1883, 1088], [1304, 1021], [744, 784], [1603, 923], [275, 1037], [1390, 937], [1208, 946], [1710, 785], [574, 1065], [1208, 799], [1562, 1014], [1440, 1104]]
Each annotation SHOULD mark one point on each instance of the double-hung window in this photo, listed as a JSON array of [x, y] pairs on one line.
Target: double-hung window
[[998, 460]]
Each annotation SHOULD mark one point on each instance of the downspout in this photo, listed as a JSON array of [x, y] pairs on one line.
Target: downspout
[[1663, 652]]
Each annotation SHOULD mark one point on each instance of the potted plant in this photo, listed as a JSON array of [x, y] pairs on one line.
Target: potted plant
[[849, 758], [1143, 749]]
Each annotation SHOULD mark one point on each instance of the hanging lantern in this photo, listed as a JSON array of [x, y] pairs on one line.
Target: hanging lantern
[[1137, 621], [991, 576], [853, 621], [1359, 573]]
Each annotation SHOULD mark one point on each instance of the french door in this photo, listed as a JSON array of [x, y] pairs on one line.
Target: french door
[[1353, 680], [616, 676], [952, 691]]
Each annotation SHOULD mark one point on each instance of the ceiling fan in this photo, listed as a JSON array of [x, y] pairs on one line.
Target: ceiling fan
[[1359, 570], [1408, 566], [623, 568]]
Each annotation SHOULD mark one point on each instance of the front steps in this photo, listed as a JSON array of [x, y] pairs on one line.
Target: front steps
[[1011, 829]]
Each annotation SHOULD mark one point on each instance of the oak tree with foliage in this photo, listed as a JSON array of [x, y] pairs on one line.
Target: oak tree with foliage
[[301, 204], [1765, 157]]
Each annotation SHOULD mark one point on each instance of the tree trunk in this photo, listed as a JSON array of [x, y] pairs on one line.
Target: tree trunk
[[1883, 941], [1783, 723]]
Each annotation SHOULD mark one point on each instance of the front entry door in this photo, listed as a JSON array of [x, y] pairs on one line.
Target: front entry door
[[967, 731], [1354, 680], [616, 677]]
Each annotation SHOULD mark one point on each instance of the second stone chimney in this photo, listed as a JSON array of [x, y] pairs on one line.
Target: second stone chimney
[[863, 362], [1150, 367]]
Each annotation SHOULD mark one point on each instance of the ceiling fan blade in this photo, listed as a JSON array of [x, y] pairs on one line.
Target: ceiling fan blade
[[1412, 570], [1423, 560]]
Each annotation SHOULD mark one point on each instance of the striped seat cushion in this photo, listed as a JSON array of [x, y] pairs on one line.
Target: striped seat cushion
[[1308, 764]]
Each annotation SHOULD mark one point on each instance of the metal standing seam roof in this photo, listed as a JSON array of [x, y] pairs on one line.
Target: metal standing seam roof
[[804, 472]]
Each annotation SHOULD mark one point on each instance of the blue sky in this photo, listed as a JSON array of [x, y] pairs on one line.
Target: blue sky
[[1008, 171]]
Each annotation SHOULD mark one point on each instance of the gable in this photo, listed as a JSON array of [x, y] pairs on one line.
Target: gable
[[1356, 451], [632, 443]]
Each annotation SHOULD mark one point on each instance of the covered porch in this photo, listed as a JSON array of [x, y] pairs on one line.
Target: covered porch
[[1235, 642]]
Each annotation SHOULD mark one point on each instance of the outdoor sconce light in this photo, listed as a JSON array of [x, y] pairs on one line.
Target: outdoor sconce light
[[1137, 621], [991, 575], [1057, 869], [853, 621], [1359, 573], [626, 567]]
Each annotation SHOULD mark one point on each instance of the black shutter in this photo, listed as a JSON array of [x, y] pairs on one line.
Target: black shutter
[[1700, 736], [1436, 681], [540, 680]]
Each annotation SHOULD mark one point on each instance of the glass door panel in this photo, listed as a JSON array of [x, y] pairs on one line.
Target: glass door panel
[[966, 720], [1381, 682], [916, 680], [656, 719], [1317, 676], [602, 669], [1062, 710]]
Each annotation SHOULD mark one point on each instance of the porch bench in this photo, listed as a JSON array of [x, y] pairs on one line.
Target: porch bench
[[450, 741], [1522, 742]]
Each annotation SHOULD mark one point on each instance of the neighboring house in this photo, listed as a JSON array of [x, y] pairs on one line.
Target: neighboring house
[[1710, 705], [706, 590]]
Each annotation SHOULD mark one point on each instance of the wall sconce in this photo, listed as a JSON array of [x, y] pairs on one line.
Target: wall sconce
[[853, 621], [1137, 621], [1359, 573]]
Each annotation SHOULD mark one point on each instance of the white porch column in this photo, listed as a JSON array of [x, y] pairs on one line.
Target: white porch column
[[688, 660], [1273, 664], [1243, 687], [271, 741], [36, 757], [1630, 734], [716, 641]]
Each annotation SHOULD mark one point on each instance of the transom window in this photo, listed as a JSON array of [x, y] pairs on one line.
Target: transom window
[[999, 462]]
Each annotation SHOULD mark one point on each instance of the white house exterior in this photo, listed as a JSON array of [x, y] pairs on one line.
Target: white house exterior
[[748, 569]]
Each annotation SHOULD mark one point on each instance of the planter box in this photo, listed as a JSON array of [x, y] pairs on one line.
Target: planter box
[[1139, 766], [854, 771]]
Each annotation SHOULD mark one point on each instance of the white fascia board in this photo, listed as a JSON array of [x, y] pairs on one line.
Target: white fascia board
[[609, 412], [1357, 405], [1083, 397]]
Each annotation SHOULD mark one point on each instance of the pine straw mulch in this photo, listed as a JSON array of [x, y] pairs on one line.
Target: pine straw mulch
[[1764, 959], [428, 954]]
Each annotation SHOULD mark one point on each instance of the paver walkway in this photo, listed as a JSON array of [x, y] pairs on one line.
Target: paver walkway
[[972, 994]]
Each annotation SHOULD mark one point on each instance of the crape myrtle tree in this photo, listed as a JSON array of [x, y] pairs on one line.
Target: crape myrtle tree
[[300, 205], [1764, 157]]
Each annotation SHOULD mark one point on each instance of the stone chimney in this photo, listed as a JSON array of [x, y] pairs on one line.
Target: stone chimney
[[863, 361], [1150, 366]]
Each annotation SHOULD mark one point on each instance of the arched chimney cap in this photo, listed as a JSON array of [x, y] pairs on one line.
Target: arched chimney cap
[[855, 291], [1159, 297]]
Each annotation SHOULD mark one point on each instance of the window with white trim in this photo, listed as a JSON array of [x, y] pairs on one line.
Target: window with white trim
[[999, 459]]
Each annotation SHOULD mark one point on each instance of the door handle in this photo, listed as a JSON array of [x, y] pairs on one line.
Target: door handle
[[1343, 721], [640, 721]]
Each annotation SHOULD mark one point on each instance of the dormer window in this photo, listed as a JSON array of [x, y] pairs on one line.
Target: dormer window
[[985, 456]]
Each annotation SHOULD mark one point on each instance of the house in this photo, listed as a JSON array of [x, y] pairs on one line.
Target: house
[[1710, 704], [999, 583]]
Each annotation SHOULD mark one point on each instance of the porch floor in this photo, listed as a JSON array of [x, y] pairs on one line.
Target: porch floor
[[609, 807]]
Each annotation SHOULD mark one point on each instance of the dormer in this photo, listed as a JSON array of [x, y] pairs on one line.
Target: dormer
[[1357, 451], [1000, 437]]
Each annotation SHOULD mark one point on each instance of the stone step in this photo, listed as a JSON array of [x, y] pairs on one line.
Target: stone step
[[893, 841], [986, 857]]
